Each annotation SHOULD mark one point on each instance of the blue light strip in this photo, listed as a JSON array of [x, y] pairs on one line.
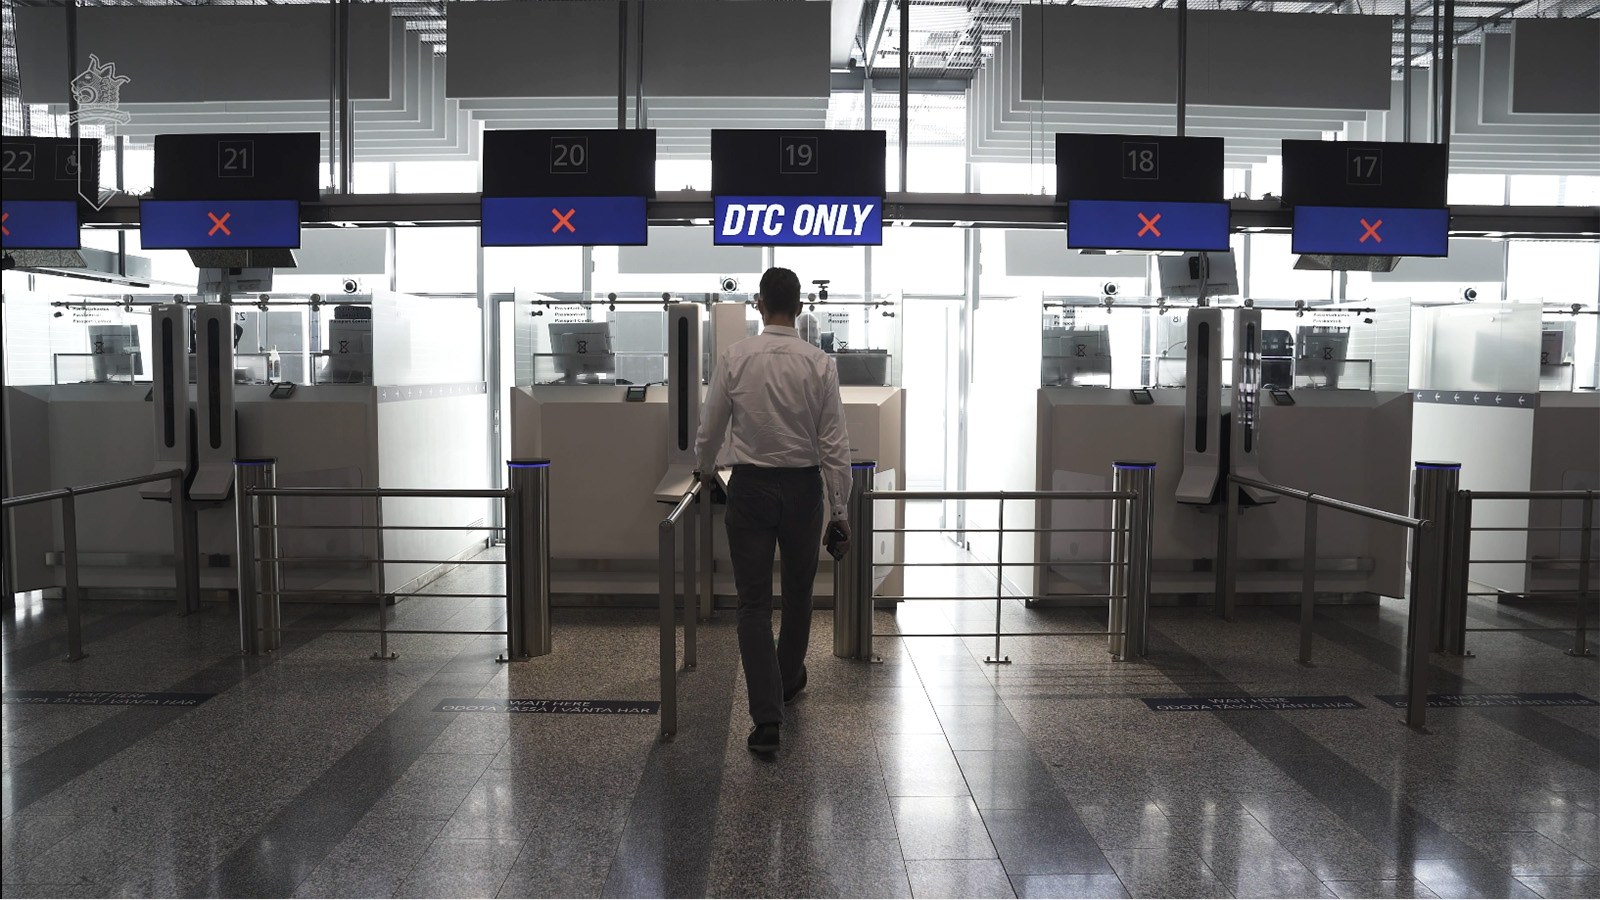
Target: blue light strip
[[532, 464]]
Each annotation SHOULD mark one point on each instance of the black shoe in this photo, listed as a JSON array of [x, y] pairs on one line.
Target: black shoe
[[763, 738], [789, 695]]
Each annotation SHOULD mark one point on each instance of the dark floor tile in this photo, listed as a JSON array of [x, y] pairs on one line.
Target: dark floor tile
[[1008, 779], [1530, 853], [1050, 886], [957, 878], [1552, 888], [1468, 878], [1163, 873], [781, 864], [461, 868], [1376, 890], [920, 765], [941, 828], [984, 727], [1044, 841]]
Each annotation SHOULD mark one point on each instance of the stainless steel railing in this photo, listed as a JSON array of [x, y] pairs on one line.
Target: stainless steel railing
[[1454, 627], [1421, 612], [1128, 598], [526, 562], [696, 576], [186, 576]]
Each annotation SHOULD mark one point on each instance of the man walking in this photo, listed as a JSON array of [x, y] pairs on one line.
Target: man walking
[[791, 460]]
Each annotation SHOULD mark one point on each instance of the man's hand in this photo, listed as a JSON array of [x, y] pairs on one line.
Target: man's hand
[[708, 479], [844, 526]]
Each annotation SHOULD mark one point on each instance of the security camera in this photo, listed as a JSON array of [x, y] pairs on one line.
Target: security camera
[[729, 284], [351, 285], [611, 297], [1109, 289], [1469, 294], [822, 288]]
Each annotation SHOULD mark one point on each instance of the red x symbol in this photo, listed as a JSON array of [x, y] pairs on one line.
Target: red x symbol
[[1372, 231], [3, 218], [1149, 225], [225, 217], [563, 220]]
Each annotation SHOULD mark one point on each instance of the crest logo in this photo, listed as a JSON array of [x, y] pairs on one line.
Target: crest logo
[[98, 92]]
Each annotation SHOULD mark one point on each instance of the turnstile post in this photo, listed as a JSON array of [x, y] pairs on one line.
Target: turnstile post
[[528, 558], [1433, 497], [852, 575], [260, 581], [1129, 621]]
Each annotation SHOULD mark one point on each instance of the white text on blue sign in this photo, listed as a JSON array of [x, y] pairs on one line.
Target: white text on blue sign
[[799, 220]]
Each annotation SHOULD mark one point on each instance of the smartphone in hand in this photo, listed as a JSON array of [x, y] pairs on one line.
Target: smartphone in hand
[[834, 536]]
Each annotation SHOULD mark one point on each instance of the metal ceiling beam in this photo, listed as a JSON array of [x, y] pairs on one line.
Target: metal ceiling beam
[[984, 210]]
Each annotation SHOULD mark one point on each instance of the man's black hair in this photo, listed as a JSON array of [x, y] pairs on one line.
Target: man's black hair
[[780, 292]]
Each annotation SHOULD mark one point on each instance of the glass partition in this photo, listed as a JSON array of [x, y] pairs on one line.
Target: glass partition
[[1140, 342], [576, 338]]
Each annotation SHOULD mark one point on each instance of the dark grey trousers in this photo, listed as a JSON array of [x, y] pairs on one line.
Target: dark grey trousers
[[771, 510]]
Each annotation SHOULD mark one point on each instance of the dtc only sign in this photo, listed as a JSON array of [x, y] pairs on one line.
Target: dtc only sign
[[799, 221]]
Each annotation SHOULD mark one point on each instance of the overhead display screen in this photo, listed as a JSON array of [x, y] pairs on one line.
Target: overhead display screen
[[1138, 167], [572, 163], [1146, 225], [197, 224], [798, 163], [1371, 231], [1365, 173], [42, 168], [798, 188], [799, 221], [563, 221], [256, 166], [39, 225]]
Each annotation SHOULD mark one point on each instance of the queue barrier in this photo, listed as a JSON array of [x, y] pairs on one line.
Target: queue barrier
[[526, 562], [1434, 482], [186, 572], [1580, 592]]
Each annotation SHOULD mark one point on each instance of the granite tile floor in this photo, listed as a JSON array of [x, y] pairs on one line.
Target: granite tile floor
[[320, 772]]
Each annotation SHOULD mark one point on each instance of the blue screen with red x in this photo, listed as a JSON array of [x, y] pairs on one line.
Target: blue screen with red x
[[571, 221], [198, 224], [1146, 225], [1371, 231]]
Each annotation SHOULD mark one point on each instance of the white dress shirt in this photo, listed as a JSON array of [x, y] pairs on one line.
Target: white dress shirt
[[782, 396]]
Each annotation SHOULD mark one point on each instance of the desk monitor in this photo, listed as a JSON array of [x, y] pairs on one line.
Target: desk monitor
[[1323, 350], [1072, 353], [582, 351], [116, 352]]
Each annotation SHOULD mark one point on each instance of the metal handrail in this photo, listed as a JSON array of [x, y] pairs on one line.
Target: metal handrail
[[446, 493], [1004, 495], [80, 490], [1227, 569], [1535, 495], [186, 576], [1331, 502], [697, 498]]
